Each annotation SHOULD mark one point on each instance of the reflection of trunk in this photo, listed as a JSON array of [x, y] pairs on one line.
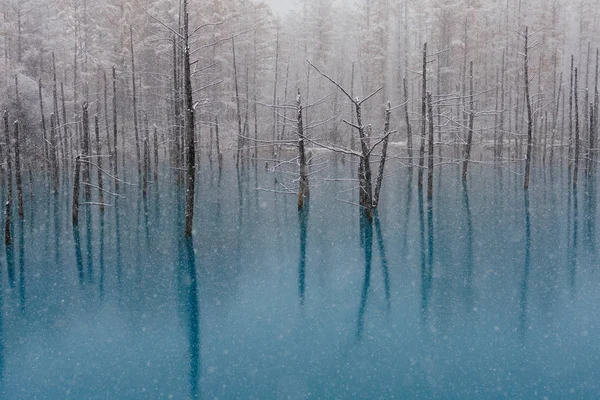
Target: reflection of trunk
[[384, 263], [193, 320], [573, 253], [525, 282], [366, 236], [10, 258], [423, 261], [78, 254], [304, 192], [303, 217], [101, 255], [469, 248], [22, 296], [88, 244]]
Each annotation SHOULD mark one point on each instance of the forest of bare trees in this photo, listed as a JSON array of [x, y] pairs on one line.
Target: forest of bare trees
[[146, 88]]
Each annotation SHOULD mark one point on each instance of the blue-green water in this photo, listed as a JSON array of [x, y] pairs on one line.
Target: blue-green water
[[479, 294]]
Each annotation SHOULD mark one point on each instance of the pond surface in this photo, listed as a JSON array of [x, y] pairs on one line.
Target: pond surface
[[483, 293]]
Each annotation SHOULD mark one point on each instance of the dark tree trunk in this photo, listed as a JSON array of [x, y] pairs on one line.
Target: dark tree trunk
[[423, 118], [18, 172], [386, 138], [529, 114], [471, 121], [114, 116], [76, 183], [99, 160], [189, 129], [85, 152], [304, 192], [135, 116]]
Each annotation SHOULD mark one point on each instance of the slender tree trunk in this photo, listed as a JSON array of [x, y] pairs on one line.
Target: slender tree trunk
[[577, 146], [529, 114], [9, 174], [189, 128], [219, 155], [409, 138], [430, 149], [53, 158], [273, 135], [114, 121], [423, 118], [240, 140], [99, 161], [570, 154], [386, 138], [76, 183], [155, 154], [18, 172], [146, 163], [106, 124], [471, 121], [44, 133], [85, 152], [304, 192], [135, 116]]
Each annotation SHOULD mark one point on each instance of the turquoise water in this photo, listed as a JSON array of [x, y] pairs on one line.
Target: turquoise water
[[483, 293]]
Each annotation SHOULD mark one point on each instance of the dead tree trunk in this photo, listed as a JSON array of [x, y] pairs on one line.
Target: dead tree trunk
[[115, 147], [430, 149], [146, 163], [135, 116], [8, 140], [99, 160], [44, 133], [274, 135], [219, 154], [409, 139], [423, 118], [240, 140], [386, 138], [576, 163], [570, 153], [53, 158], [189, 128], [529, 114], [303, 192], [155, 154], [471, 121], [76, 183], [85, 152], [18, 172]]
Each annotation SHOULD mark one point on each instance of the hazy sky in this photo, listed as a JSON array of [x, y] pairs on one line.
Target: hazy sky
[[281, 6]]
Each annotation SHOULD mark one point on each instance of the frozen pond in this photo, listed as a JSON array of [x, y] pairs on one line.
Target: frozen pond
[[479, 294]]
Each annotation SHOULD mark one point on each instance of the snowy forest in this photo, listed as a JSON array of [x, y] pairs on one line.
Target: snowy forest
[[339, 199], [490, 88]]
